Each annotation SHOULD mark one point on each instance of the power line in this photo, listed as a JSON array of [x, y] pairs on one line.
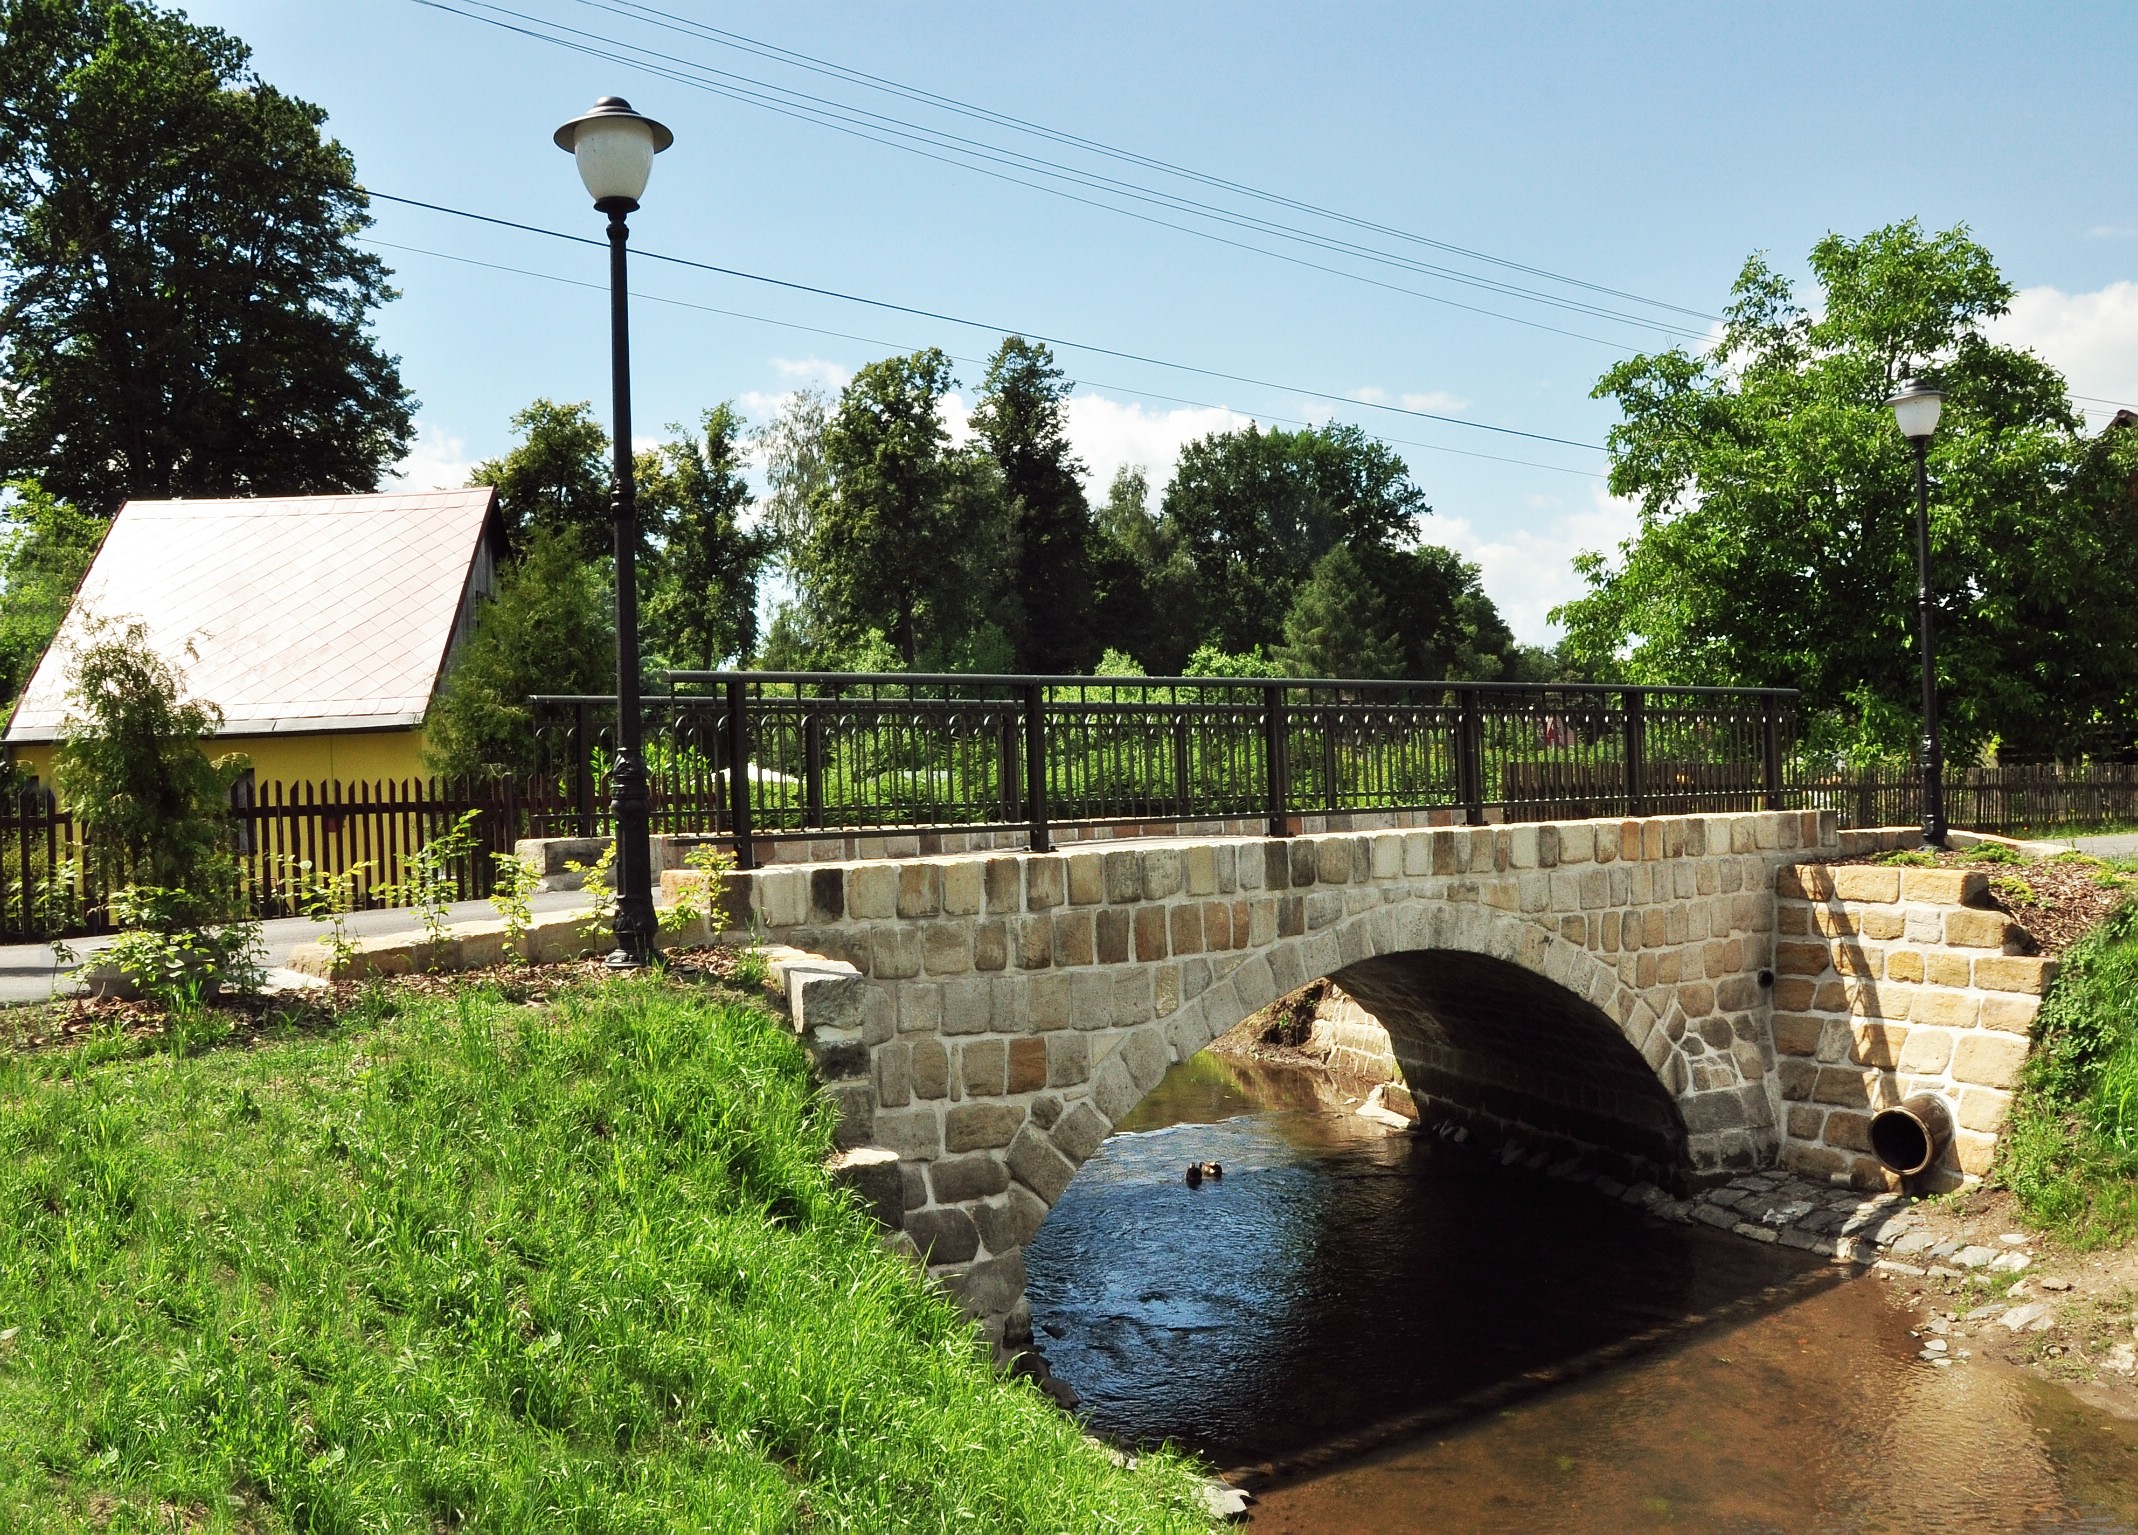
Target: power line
[[819, 330], [951, 319], [953, 150], [654, 16]]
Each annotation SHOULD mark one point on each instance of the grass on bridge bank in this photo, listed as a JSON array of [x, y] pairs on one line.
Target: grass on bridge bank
[[2070, 1153], [458, 1264]]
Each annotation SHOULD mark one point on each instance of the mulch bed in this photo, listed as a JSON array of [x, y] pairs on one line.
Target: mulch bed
[[2057, 900]]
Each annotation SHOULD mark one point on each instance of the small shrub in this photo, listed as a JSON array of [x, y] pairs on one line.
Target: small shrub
[[328, 899], [173, 947], [512, 898], [431, 886], [2014, 891], [599, 879], [699, 900], [1912, 858], [1991, 852]]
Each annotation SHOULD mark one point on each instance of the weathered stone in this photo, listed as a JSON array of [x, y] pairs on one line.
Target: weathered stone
[[943, 1235], [956, 1180], [976, 1126], [1038, 1165]]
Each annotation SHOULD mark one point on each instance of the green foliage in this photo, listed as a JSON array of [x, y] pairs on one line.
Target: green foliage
[[700, 898], [551, 629], [45, 549], [1338, 624], [1022, 422], [903, 536], [430, 884], [556, 479], [701, 598], [1144, 595], [1116, 663], [598, 879], [479, 1267], [1908, 858], [178, 945], [150, 806], [186, 311], [327, 898], [1991, 852], [1777, 540], [2070, 1152], [512, 898], [1209, 661]]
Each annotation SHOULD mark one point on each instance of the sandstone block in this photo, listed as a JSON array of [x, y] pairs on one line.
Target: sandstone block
[[1034, 943], [946, 948], [962, 888], [1878, 1044], [1038, 1165], [943, 1235], [1970, 929], [1006, 1224], [1845, 1087], [915, 1134], [1027, 1064], [990, 945], [1797, 1033], [2010, 1014], [1046, 882], [983, 1066], [1079, 1133], [1946, 967], [1984, 1109], [958, 1179], [2013, 972], [872, 891], [979, 1126], [1985, 1059], [1807, 959], [930, 1069], [1926, 1051], [1087, 879], [894, 951], [894, 1075], [1866, 882], [1849, 1130], [1111, 934], [1945, 1009], [1068, 1059], [1944, 887], [1905, 965], [1074, 939]]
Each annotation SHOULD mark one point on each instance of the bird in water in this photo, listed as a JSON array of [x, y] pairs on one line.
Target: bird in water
[[1195, 1175], [1198, 1171]]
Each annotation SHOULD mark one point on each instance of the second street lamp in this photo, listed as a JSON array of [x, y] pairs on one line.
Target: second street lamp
[[615, 147], [1916, 408]]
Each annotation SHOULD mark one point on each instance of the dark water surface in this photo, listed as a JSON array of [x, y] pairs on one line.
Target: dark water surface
[[1402, 1338]]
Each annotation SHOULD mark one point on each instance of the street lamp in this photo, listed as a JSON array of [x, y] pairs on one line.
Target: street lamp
[[1916, 408], [615, 147]]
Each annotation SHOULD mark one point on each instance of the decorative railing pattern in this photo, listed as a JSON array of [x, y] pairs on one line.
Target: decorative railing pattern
[[761, 756]]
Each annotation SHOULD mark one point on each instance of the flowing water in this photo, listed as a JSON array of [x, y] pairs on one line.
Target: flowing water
[[1393, 1336]]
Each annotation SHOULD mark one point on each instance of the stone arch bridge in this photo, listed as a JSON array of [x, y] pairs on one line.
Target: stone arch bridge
[[986, 1019]]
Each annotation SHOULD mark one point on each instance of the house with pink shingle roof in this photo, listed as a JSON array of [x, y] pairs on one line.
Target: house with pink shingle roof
[[320, 625]]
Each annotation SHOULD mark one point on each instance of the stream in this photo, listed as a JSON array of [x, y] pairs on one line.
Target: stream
[[1382, 1332]]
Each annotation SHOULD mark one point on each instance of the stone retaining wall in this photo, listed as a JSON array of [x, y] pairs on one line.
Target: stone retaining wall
[[1892, 981]]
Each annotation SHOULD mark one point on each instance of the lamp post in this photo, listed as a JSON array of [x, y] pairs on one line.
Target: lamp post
[[615, 147], [1916, 408]]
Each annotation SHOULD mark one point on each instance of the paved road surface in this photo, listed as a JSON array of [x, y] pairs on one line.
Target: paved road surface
[[29, 974], [2122, 845]]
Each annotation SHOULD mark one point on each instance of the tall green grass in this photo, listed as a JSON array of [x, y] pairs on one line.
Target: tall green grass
[[2070, 1154], [485, 1267]]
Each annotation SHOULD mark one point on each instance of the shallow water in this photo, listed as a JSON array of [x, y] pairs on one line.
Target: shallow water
[[1399, 1337]]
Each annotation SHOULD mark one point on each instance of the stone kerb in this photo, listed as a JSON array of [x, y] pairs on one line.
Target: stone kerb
[[989, 1019], [1893, 981]]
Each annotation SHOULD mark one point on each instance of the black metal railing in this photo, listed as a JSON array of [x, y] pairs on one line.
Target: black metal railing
[[760, 756]]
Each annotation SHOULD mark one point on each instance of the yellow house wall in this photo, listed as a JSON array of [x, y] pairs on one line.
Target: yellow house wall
[[342, 757]]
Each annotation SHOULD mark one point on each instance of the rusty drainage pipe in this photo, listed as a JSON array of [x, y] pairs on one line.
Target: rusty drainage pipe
[[1912, 1134]]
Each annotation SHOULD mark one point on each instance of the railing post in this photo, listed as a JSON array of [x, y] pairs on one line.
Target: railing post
[[1276, 736], [1770, 750], [813, 769], [739, 772], [1470, 756], [1636, 714], [1035, 763], [1183, 799], [583, 765]]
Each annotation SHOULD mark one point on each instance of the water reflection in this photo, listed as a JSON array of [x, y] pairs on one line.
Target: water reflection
[[1340, 1285]]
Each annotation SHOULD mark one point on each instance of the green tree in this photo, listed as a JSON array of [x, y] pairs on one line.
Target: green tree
[[1022, 423], [131, 765], [1255, 510], [550, 630], [183, 310], [1144, 592], [1444, 624], [556, 477], [900, 530], [701, 608], [45, 549], [1776, 540], [1338, 625]]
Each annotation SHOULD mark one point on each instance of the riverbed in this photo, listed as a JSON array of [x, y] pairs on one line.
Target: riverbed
[[1385, 1332]]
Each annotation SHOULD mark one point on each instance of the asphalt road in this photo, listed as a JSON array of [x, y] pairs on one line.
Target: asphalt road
[[29, 972]]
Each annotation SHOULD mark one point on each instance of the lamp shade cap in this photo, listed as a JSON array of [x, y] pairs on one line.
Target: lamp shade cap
[[610, 107], [1915, 405]]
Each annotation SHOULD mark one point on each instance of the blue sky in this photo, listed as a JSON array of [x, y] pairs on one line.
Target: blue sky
[[1647, 149]]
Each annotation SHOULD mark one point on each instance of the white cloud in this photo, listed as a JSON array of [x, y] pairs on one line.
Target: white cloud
[[813, 370], [1109, 435], [2091, 338], [1528, 572], [437, 461]]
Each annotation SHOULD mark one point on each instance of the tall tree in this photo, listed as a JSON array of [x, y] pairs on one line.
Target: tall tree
[[182, 308], [1776, 541], [1444, 623], [45, 549], [701, 608], [556, 477], [893, 531], [1256, 510], [1338, 624], [1022, 421], [1144, 598]]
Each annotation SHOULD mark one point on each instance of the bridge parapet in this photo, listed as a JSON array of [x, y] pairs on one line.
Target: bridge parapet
[[989, 1019]]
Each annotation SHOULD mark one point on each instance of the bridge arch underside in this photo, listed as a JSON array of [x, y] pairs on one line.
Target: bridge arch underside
[[1512, 1056]]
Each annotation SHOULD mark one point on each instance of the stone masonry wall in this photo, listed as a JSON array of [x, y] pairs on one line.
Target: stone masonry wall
[[1893, 981]]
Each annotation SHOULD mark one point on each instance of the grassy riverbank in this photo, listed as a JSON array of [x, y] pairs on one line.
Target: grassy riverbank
[[460, 1264], [2070, 1155]]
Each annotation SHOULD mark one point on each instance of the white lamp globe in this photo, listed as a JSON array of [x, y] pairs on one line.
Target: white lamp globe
[[615, 147], [1916, 408]]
